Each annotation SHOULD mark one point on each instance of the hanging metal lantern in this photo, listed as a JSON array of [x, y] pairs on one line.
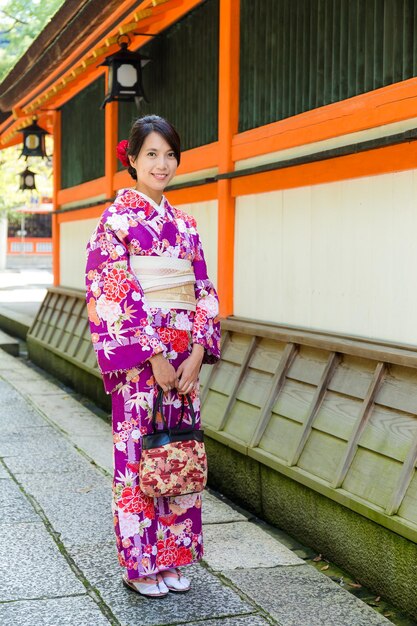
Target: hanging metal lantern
[[34, 140], [125, 74], [27, 180]]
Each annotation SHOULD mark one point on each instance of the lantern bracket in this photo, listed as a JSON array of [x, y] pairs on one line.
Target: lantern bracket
[[125, 43], [125, 73]]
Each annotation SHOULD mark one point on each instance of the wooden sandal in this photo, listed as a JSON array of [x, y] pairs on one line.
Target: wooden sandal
[[175, 581], [154, 588]]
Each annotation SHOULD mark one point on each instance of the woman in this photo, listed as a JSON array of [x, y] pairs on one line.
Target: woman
[[153, 319]]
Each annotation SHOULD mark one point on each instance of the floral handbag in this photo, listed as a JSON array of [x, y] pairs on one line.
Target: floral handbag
[[173, 460]]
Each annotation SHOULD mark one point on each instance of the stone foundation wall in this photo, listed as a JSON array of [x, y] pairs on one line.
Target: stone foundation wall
[[376, 556]]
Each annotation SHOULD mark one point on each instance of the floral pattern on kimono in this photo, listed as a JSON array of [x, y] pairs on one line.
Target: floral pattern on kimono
[[152, 534], [123, 326]]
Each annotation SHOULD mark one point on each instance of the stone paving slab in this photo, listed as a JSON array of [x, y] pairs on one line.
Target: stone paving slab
[[244, 620], [53, 464], [74, 496], [88, 432], [31, 564], [16, 414], [302, 596], [99, 448], [32, 386], [37, 441], [67, 611], [68, 413], [14, 506], [244, 545], [208, 597], [14, 369], [215, 511]]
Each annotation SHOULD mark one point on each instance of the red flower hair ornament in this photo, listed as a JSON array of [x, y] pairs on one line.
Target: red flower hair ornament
[[121, 152]]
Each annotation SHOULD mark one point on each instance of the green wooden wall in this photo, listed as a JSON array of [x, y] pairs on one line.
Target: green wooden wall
[[181, 81], [83, 136], [297, 55]]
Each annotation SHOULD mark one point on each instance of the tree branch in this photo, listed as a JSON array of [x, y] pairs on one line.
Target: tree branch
[[12, 17]]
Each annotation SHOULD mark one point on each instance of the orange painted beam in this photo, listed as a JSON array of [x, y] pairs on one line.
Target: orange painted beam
[[56, 169], [74, 87], [387, 105], [193, 160], [13, 142], [11, 128], [201, 158], [82, 214], [200, 193], [90, 189], [370, 163], [110, 158], [33, 241], [228, 125], [122, 179]]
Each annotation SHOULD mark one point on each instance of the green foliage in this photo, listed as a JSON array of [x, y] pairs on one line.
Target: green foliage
[[11, 166], [20, 23]]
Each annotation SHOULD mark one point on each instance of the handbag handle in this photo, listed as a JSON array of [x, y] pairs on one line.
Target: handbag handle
[[159, 404], [191, 408]]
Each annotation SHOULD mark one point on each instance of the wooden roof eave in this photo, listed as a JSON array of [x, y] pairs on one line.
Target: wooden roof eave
[[61, 84], [12, 126], [94, 38], [67, 33], [87, 69], [43, 41]]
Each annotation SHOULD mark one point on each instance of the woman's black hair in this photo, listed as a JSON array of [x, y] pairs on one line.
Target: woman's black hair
[[142, 127]]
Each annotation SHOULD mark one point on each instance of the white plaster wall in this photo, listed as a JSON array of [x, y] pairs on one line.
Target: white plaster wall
[[206, 215], [73, 241], [340, 257]]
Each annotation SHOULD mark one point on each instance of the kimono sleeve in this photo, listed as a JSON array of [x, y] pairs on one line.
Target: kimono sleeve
[[206, 326], [122, 328]]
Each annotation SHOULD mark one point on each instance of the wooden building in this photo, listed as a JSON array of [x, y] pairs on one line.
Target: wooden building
[[299, 128]]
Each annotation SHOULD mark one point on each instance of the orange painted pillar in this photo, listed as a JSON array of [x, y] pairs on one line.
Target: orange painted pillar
[[228, 126], [110, 159], [56, 168]]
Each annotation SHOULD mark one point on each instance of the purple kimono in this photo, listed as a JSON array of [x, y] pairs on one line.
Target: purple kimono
[[152, 534]]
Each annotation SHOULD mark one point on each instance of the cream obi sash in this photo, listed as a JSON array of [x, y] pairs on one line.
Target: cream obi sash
[[167, 282]]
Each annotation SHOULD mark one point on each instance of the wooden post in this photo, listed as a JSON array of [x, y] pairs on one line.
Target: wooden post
[[332, 363], [359, 427], [228, 126], [277, 383], [56, 167], [238, 381], [407, 472], [110, 159]]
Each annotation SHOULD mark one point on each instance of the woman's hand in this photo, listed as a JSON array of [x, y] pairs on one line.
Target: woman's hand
[[164, 373], [188, 371]]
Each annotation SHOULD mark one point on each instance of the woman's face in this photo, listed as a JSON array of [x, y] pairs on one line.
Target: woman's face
[[155, 164]]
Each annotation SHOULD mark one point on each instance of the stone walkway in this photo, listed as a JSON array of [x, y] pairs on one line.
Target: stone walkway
[[58, 561]]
